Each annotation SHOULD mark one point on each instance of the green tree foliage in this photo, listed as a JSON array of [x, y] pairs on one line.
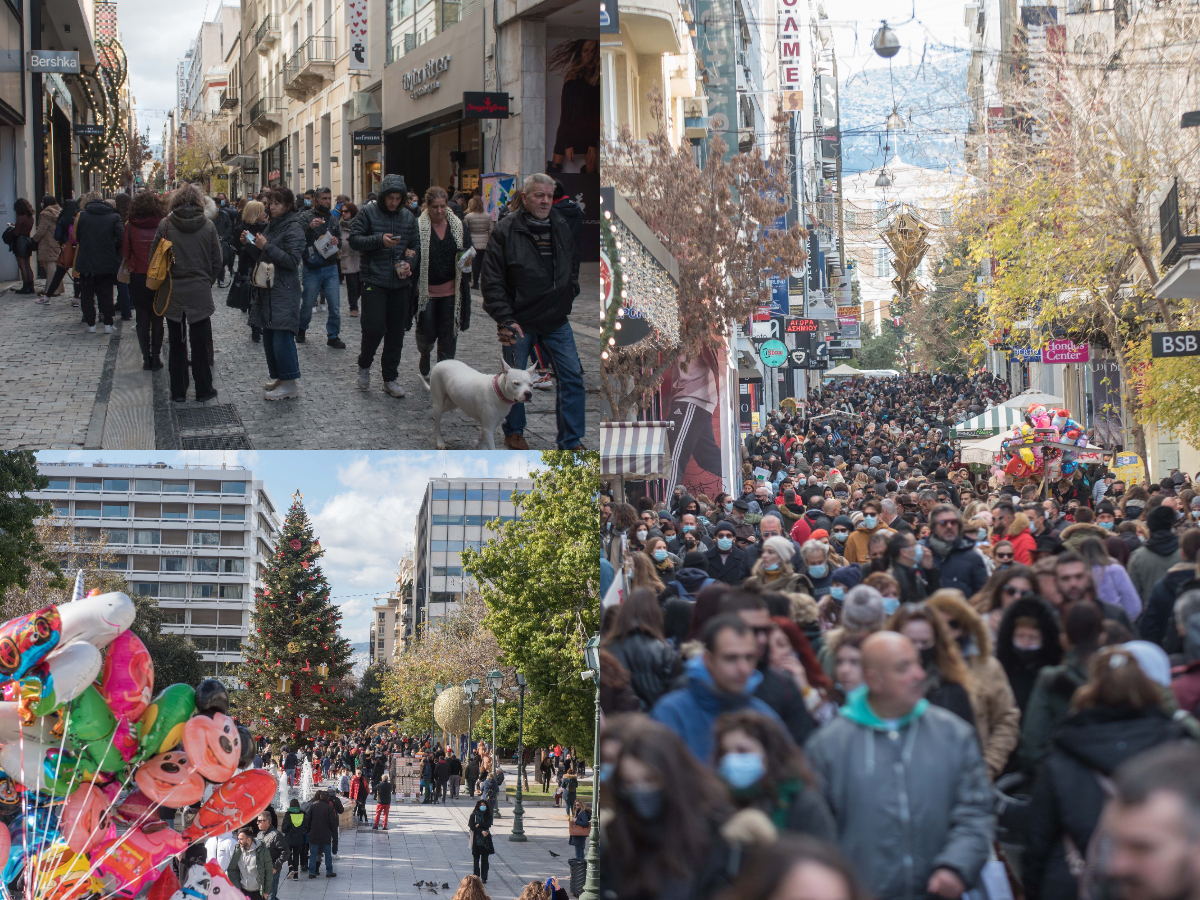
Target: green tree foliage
[[947, 320], [879, 351], [540, 579], [294, 631], [21, 553], [366, 703]]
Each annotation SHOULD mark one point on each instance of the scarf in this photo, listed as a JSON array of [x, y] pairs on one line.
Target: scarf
[[456, 231]]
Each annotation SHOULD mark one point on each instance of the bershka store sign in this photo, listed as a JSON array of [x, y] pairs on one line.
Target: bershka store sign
[[424, 80]]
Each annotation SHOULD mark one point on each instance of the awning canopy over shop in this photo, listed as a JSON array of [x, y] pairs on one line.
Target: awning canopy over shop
[[633, 449]]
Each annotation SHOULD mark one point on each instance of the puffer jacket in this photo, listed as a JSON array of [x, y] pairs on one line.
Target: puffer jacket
[[654, 666], [515, 284], [278, 309], [293, 826], [197, 263], [1067, 797], [99, 237], [373, 221], [879, 786], [963, 567], [47, 247]]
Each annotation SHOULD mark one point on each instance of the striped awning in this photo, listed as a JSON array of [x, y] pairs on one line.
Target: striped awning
[[633, 448], [993, 421]]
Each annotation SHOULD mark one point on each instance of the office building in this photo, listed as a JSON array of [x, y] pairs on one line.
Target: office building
[[381, 642], [195, 539]]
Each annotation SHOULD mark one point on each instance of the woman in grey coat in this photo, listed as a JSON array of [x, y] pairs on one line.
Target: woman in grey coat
[[276, 310], [185, 299]]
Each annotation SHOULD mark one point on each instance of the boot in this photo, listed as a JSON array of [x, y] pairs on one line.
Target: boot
[[287, 390]]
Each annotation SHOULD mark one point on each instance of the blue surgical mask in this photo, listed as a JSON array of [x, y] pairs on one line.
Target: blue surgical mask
[[728, 507], [771, 567], [890, 605], [724, 543], [606, 770], [918, 554], [870, 521], [838, 593], [840, 536], [660, 554], [818, 571], [687, 528], [1107, 526], [741, 770]]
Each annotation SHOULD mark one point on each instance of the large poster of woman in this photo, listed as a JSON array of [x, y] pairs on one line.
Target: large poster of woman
[[572, 106], [692, 398]]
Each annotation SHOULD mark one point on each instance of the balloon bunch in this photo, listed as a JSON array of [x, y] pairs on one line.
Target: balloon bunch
[[1045, 443], [86, 747]]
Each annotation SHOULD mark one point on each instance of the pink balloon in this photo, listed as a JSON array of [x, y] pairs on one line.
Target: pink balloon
[[127, 680], [83, 819], [137, 855], [5, 843]]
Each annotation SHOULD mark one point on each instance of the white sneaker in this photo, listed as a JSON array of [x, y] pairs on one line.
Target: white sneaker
[[108, 329], [393, 388], [364, 379], [287, 390], [272, 384], [545, 383], [91, 329]]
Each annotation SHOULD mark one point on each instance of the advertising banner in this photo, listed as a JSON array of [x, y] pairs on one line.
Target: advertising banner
[[694, 401], [1063, 351], [497, 190], [356, 24], [779, 294]]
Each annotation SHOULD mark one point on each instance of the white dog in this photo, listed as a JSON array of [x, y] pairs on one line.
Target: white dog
[[485, 398]]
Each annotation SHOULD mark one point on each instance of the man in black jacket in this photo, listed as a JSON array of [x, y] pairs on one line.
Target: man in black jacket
[[386, 235], [726, 562], [960, 564], [441, 775], [320, 272], [455, 766], [98, 259], [383, 801], [321, 822], [530, 280]]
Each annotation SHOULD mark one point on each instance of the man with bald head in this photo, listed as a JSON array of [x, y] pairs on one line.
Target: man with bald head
[[905, 780]]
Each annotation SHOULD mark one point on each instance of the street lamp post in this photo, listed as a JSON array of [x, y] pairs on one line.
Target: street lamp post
[[518, 831], [591, 888], [437, 692], [495, 679], [471, 685]]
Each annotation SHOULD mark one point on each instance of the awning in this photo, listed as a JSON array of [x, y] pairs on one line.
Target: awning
[[1025, 398], [843, 371], [633, 448], [992, 421], [982, 451]]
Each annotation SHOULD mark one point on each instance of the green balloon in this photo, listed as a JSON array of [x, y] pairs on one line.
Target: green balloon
[[162, 723], [90, 718], [100, 756]]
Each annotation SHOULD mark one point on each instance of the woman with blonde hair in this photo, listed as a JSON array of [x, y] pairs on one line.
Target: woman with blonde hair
[[644, 573], [948, 681], [480, 225], [471, 888], [443, 292], [773, 572]]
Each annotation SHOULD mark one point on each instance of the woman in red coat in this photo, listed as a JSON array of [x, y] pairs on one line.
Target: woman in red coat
[[1022, 540]]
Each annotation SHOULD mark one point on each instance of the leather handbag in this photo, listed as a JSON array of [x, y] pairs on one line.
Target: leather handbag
[[264, 274], [123, 274]]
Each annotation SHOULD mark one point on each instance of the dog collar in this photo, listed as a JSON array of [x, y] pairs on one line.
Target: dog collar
[[500, 393]]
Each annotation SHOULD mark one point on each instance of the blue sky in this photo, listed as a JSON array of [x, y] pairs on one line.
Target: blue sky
[[363, 504]]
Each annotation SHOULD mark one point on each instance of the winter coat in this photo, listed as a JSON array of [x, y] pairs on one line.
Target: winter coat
[[691, 711], [332, 225], [460, 237], [47, 247], [198, 261], [856, 544], [479, 822], [879, 786], [582, 820], [373, 221], [276, 843], [1151, 561], [733, 571], [1113, 586], [137, 243], [792, 806], [259, 862], [1023, 544], [780, 692], [796, 583], [1074, 535], [654, 666], [383, 793], [1048, 706], [348, 258], [99, 237], [516, 286], [997, 718], [1067, 798], [278, 309], [321, 822], [964, 568], [481, 226], [293, 826], [1157, 623], [1022, 668]]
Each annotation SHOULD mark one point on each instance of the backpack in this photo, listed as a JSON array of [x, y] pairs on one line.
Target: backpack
[[683, 592]]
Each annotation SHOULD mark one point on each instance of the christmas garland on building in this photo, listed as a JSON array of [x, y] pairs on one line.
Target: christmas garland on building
[[105, 153]]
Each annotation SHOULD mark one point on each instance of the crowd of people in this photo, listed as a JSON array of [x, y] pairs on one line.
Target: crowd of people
[[407, 265], [876, 671]]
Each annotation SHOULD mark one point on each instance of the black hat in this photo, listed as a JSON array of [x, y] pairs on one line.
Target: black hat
[[726, 526], [1161, 518], [695, 559], [741, 504]]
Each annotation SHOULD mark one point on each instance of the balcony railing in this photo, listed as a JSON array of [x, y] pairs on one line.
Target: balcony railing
[[1179, 224], [316, 51], [265, 106], [266, 33], [229, 100]]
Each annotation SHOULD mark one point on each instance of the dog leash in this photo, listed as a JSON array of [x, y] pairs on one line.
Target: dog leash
[[500, 393]]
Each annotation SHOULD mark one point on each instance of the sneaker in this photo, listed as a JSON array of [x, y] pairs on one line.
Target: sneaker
[[331, 874], [75, 303], [43, 300], [287, 390], [311, 875], [271, 385], [393, 388], [545, 383], [108, 329], [354, 313], [364, 379], [515, 442], [300, 336], [336, 343], [91, 329]]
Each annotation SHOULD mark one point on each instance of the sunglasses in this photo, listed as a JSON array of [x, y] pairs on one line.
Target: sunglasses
[[1010, 591], [1004, 556]]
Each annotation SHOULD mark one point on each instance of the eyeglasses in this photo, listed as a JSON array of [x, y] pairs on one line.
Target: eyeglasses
[[1004, 556], [1011, 591], [941, 522]]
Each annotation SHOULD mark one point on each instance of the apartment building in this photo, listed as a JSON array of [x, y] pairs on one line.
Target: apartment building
[[454, 516], [381, 641], [195, 539]]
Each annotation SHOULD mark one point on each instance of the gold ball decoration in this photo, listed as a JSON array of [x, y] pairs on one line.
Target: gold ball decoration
[[450, 712]]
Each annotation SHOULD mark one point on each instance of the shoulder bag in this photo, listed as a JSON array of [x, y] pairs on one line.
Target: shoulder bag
[[263, 275], [159, 271]]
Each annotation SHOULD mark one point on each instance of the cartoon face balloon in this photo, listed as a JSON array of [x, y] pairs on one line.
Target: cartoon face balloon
[[219, 885], [97, 619], [212, 696], [83, 820], [213, 744], [127, 680], [170, 779], [25, 641]]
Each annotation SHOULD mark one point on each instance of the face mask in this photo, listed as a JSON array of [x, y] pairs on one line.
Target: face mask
[[307, 202], [818, 571], [929, 657], [771, 567], [1107, 526], [646, 803], [1178, 515], [741, 770], [981, 543], [688, 528], [641, 535], [840, 536], [837, 593], [918, 554], [660, 554], [890, 605], [870, 521], [724, 543], [606, 770], [728, 507], [802, 482]]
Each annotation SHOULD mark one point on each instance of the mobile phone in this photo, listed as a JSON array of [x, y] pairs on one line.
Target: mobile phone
[[247, 238]]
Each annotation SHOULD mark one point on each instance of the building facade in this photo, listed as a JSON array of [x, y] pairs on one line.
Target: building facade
[[381, 641], [454, 516], [195, 539]]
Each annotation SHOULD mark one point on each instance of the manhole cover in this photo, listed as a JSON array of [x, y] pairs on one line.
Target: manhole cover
[[207, 416], [216, 442]]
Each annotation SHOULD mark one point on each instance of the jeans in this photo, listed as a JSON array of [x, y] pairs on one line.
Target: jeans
[[569, 401], [435, 326], [273, 894], [382, 808], [149, 326], [384, 318], [291, 775], [454, 786], [282, 361], [352, 289], [123, 299], [97, 291], [200, 338], [579, 854], [325, 280], [314, 857]]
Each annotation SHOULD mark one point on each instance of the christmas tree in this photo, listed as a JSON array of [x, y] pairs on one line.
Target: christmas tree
[[296, 659]]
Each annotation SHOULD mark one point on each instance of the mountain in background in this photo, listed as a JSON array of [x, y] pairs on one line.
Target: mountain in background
[[932, 98]]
